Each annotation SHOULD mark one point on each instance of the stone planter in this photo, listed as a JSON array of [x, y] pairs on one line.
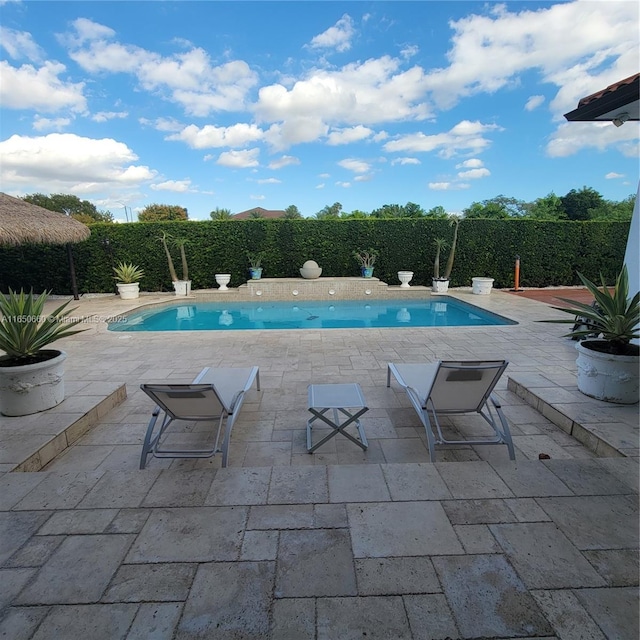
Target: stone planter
[[605, 376], [439, 285], [223, 280], [310, 270], [182, 287], [481, 286], [32, 388], [129, 290], [405, 278]]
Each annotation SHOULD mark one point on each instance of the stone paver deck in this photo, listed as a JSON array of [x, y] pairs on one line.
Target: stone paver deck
[[335, 545]]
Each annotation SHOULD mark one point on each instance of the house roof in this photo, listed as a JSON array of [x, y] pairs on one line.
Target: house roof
[[264, 213], [622, 97]]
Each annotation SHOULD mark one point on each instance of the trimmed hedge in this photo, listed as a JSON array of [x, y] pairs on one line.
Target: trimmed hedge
[[550, 252]]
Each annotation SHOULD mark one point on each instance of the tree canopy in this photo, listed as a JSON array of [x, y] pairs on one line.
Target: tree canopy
[[81, 210], [157, 212], [221, 214]]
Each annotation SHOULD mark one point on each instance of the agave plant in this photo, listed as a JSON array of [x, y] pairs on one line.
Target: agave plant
[[613, 319], [25, 330], [440, 244], [127, 273]]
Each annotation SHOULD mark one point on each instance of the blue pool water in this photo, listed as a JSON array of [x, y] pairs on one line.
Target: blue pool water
[[311, 314]]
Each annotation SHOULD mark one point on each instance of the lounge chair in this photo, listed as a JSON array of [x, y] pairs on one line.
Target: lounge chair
[[215, 394], [448, 388]]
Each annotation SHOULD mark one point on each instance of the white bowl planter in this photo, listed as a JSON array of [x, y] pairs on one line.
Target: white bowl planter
[[31, 388], [439, 285], [128, 290], [310, 270], [223, 280], [405, 278], [605, 376], [182, 287], [481, 286]]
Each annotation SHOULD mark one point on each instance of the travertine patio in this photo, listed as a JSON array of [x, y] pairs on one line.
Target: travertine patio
[[335, 545]]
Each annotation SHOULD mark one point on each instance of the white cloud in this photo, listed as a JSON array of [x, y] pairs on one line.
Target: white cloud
[[50, 124], [179, 186], [67, 163], [612, 175], [409, 51], [357, 166], [571, 137], [188, 78], [162, 124], [30, 88], [348, 135], [256, 197], [283, 161], [358, 94], [337, 37], [465, 137], [363, 178], [211, 136], [474, 174], [533, 103], [269, 181], [448, 186], [405, 161], [239, 159], [471, 163], [344, 185], [320, 186], [105, 116], [19, 44]]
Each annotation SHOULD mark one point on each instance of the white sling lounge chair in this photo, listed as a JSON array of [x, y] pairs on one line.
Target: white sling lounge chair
[[215, 394], [454, 387]]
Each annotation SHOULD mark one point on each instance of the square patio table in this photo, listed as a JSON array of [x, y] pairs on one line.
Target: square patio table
[[339, 399]]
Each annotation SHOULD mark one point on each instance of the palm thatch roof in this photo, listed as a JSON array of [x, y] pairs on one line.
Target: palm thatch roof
[[22, 222]]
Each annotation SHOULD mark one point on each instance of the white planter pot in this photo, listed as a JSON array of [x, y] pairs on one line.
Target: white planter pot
[[405, 278], [223, 280], [182, 287], [481, 286], [607, 377], [31, 388], [439, 286], [128, 291]]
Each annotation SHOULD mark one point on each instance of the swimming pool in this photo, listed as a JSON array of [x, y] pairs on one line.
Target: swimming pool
[[312, 314]]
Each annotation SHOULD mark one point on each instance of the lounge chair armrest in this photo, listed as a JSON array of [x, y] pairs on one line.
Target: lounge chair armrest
[[496, 403]]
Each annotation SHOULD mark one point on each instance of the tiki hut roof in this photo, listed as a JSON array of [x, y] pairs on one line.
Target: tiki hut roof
[[22, 222]]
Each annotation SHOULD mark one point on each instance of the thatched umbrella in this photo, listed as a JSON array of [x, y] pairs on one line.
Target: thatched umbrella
[[25, 223]]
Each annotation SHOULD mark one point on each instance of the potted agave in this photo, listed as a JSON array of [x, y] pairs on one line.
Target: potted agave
[[127, 280], [366, 259], [31, 376], [255, 264], [607, 358], [181, 287]]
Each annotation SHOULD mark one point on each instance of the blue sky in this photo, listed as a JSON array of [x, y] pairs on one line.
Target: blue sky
[[267, 104]]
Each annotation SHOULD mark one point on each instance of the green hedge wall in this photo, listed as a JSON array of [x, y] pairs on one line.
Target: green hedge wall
[[550, 252]]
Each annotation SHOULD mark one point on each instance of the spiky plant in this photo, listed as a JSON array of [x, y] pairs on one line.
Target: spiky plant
[[25, 331], [128, 273], [180, 243], [614, 318], [164, 238]]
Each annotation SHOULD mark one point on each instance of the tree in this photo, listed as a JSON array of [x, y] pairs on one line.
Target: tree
[[221, 214], [547, 208], [255, 214], [619, 211], [292, 212], [578, 205], [332, 211], [356, 214], [436, 212], [81, 210], [500, 207], [157, 212]]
